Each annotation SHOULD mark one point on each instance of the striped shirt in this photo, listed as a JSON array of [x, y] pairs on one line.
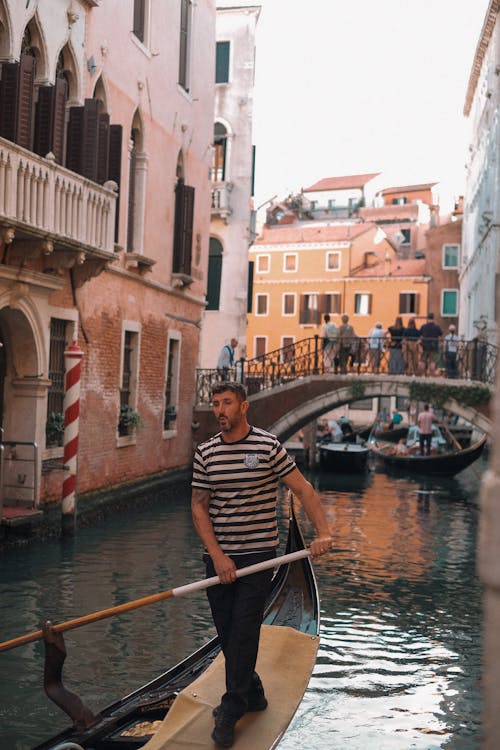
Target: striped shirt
[[242, 479]]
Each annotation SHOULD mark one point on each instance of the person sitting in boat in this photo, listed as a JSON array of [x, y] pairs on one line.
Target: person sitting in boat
[[234, 487]]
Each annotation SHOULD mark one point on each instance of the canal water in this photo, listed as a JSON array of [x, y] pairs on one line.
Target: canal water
[[400, 658]]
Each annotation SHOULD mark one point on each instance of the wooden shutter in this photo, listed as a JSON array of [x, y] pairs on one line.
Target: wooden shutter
[[222, 62], [81, 152], [251, 267], [16, 101], [183, 44], [25, 102], [183, 228], [9, 89], [103, 149], [139, 11], [49, 120], [115, 165]]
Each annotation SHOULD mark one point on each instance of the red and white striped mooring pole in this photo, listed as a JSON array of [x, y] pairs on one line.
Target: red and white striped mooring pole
[[72, 363]]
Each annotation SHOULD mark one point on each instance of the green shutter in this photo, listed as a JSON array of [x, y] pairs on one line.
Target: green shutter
[[222, 62]]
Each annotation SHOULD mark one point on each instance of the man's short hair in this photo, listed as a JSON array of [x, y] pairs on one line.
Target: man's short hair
[[230, 385]]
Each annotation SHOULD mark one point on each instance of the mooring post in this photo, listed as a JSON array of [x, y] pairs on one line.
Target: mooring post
[[72, 361]]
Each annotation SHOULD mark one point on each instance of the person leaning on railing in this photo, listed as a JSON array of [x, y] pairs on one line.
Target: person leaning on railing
[[411, 347]]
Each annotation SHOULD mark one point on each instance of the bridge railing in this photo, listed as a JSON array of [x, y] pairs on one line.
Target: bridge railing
[[474, 360]]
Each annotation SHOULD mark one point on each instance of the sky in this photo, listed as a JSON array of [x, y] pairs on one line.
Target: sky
[[359, 86]]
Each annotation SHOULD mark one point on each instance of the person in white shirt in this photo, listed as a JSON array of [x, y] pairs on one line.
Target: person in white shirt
[[376, 346], [450, 349], [330, 344]]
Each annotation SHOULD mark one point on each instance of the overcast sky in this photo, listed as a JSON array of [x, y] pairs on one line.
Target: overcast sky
[[357, 86]]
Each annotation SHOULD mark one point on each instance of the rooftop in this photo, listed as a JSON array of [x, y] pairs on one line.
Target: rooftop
[[341, 183]]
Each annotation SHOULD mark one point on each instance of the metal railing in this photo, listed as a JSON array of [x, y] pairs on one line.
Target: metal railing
[[475, 361]]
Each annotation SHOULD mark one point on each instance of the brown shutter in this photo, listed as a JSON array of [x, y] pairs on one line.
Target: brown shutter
[[81, 152], [183, 228], [9, 88], [369, 304], [417, 303], [25, 102], [49, 120], [103, 149], [61, 97], [115, 165]]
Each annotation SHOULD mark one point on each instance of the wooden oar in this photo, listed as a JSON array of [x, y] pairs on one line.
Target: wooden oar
[[205, 583], [452, 437]]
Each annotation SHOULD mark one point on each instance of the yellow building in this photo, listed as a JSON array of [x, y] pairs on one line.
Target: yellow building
[[301, 271]]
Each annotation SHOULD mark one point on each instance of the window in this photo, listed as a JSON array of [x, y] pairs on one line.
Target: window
[[129, 375], [214, 274], [331, 303], [17, 88], [260, 345], [290, 262], [331, 203], [406, 236], [362, 304], [172, 382], [263, 263], [183, 228], [185, 34], [309, 310], [261, 304], [333, 261], [449, 302], [450, 256], [55, 396], [218, 171], [288, 304], [409, 303], [140, 19], [399, 201], [222, 62]]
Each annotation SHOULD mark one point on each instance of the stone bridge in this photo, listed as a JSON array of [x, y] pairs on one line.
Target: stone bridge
[[288, 407]]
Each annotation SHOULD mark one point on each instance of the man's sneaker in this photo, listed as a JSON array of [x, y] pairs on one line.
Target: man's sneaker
[[223, 732], [255, 703]]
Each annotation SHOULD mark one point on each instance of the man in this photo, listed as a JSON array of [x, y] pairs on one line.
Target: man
[[450, 348], [424, 422], [235, 480], [376, 346], [430, 333], [226, 359], [329, 338], [346, 337]]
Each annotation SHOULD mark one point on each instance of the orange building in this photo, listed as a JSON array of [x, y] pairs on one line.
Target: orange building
[[304, 270]]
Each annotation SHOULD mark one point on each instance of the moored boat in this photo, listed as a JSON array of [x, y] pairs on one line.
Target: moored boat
[[450, 460], [175, 709], [344, 458]]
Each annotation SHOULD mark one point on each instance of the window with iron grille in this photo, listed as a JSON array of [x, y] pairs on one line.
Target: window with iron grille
[[171, 384], [55, 399], [125, 390]]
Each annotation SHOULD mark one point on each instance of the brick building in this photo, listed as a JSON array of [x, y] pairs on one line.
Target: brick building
[[106, 127]]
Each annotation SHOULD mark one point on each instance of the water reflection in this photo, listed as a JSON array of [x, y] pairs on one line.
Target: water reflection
[[399, 661]]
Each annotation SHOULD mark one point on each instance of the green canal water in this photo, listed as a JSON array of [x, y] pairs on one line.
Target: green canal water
[[400, 658]]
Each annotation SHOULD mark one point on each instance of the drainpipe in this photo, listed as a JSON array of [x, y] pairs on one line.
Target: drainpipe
[[72, 362]]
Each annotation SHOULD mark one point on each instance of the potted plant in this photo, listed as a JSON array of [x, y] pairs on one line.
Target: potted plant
[[128, 421], [54, 429]]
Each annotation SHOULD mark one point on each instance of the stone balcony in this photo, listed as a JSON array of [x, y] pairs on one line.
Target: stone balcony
[[221, 199], [50, 212]]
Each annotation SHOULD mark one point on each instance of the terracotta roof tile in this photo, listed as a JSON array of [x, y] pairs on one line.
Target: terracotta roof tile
[[407, 267], [283, 235], [341, 183], [398, 212], [407, 188]]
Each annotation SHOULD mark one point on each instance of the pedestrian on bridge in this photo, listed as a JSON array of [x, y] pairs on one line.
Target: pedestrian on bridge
[[347, 338], [411, 347], [330, 346], [430, 334]]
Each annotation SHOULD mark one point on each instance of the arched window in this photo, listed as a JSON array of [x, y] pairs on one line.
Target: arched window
[[218, 171], [214, 274], [50, 115], [17, 88], [136, 187]]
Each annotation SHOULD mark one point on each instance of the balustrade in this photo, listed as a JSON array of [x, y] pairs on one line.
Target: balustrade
[[46, 197]]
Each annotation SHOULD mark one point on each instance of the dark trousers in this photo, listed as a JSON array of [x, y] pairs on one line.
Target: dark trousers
[[237, 611], [425, 443]]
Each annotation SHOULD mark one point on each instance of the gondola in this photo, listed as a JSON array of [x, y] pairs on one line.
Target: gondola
[[344, 458], [447, 463], [175, 710]]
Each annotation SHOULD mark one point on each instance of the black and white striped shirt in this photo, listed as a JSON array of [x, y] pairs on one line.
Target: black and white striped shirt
[[242, 479]]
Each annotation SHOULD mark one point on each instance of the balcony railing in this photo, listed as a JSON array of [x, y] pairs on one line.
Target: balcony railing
[[475, 361], [220, 199], [39, 195]]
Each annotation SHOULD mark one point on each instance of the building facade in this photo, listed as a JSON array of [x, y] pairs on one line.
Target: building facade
[[106, 121], [231, 176]]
